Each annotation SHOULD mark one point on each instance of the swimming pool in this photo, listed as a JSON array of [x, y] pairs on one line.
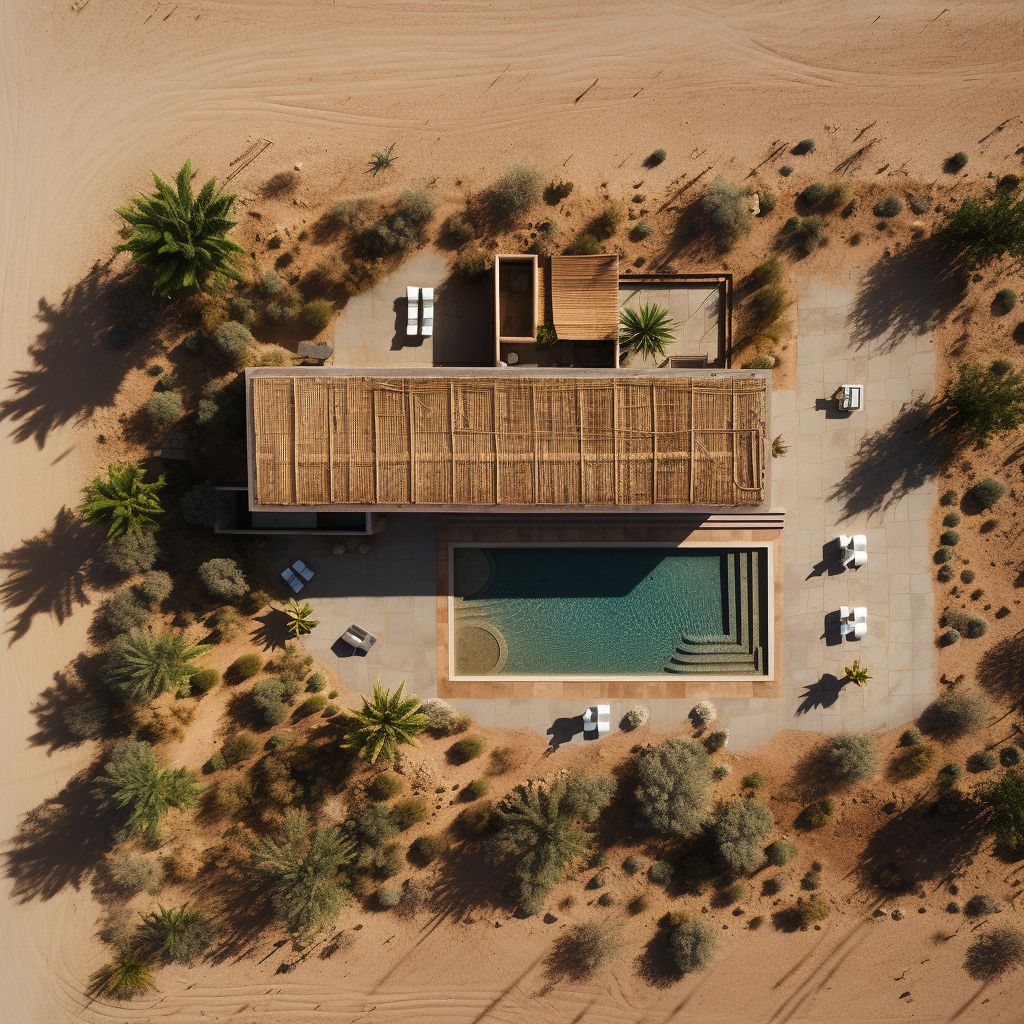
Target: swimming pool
[[610, 611]]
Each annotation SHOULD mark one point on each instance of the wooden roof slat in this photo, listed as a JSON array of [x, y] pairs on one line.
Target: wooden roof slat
[[585, 297]]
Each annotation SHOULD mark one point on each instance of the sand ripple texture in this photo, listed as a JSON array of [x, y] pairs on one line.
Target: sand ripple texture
[[93, 97]]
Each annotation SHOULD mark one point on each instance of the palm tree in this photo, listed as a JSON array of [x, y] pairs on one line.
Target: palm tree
[[142, 664], [300, 618], [182, 236], [124, 500], [779, 447], [855, 674], [538, 830], [646, 332], [180, 933], [386, 724], [301, 865], [133, 779]]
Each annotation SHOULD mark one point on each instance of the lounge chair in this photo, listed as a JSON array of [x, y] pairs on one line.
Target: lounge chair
[[359, 638], [428, 312], [303, 570], [412, 298], [292, 580], [604, 719], [853, 550], [850, 397]]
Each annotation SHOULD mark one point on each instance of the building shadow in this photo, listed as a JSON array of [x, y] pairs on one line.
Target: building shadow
[[822, 694], [904, 294], [75, 369], [60, 842], [892, 462], [48, 574], [563, 729]]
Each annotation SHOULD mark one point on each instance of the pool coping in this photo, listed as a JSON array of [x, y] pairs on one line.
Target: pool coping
[[647, 687]]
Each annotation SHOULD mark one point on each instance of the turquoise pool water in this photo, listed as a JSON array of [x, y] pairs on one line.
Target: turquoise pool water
[[607, 611]]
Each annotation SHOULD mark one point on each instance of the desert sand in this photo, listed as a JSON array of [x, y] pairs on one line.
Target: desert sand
[[96, 94]]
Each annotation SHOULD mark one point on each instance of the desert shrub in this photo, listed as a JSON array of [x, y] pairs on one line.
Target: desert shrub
[[181, 934], [472, 264], [583, 245], [164, 407], [232, 340], [278, 740], [313, 704], [1010, 756], [388, 897], [331, 710], [216, 763], [130, 553], [385, 785], [915, 760], [205, 680], [949, 776], [316, 682], [128, 975], [238, 748], [1006, 299], [198, 506], [456, 227], [441, 716], [958, 160], [727, 207], [642, 229], [124, 611], [660, 872], [318, 313], [950, 637], [945, 574], [739, 834], [910, 737], [956, 713], [766, 310], [948, 497], [466, 749], [735, 893], [986, 402], [767, 201], [657, 157], [408, 812], [376, 826], [813, 194], [982, 905], [943, 555], [399, 230], [245, 667], [1000, 367], [476, 819], [987, 492], [674, 788], [225, 624], [637, 716], [848, 757], [774, 885], [803, 147], [951, 519], [515, 192], [702, 714], [950, 538], [995, 953], [836, 195], [817, 815], [477, 788], [587, 795], [606, 899], [608, 220], [785, 170], [808, 233], [640, 904], [631, 865], [753, 780], [1005, 800], [976, 627], [157, 586], [693, 947], [981, 761], [771, 272], [920, 204], [782, 851], [223, 578], [134, 873], [268, 696], [808, 912], [890, 206], [600, 880], [760, 363], [721, 772], [426, 849]]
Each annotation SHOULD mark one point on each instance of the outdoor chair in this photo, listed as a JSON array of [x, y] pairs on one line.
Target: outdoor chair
[[428, 312], [853, 624], [597, 719], [359, 638], [303, 570], [853, 550], [850, 397], [412, 298], [292, 580]]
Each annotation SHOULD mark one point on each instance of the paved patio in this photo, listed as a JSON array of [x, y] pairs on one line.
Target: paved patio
[[849, 475], [692, 306]]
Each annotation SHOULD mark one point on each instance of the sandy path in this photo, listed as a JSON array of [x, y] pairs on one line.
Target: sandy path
[[91, 100]]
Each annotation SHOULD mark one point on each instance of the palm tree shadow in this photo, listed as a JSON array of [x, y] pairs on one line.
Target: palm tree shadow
[[272, 631], [999, 670], [48, 574], [822, 694], [75, 369]]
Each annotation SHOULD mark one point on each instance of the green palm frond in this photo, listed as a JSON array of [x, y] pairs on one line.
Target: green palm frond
[[181, 235], [142, 664], [646, 332], [124, 500], [300, 618], [856, 674], [386, 723]]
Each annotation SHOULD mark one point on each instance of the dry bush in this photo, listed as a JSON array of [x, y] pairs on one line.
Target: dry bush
[[184, 863], [582, 951]]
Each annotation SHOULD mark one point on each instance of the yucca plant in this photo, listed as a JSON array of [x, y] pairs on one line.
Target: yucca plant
[[124, 500], [181, 235], [646, 332], [132, 780], [300, 618], [779, 447], [386, 724], [142, 664], [855, 674], [180, 933], [300, 864], [129, 975], [382, 160]]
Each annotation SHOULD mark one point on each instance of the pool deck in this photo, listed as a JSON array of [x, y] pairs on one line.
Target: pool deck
[[842, 475]]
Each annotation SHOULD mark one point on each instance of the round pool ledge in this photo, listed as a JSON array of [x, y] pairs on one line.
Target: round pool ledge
[[480, 649]]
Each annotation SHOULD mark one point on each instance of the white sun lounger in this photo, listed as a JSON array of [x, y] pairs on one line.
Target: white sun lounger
[[598, 719], [428, 311], [412, 299], [359, 638], [303, 570], [292, 580]]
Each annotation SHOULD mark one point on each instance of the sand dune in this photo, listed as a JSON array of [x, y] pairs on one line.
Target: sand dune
[[92, 99]]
